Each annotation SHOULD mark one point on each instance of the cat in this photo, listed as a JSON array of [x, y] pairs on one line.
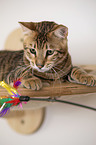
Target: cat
[[45, 57]]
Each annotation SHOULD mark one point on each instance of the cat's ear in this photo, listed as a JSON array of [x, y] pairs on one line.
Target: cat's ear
[[27, 27], [61, 31]]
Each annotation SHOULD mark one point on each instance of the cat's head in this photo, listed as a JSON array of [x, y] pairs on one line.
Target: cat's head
[[45, 44]]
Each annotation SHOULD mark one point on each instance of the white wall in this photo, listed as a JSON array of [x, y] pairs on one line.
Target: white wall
[[78, 15], [63, 124]]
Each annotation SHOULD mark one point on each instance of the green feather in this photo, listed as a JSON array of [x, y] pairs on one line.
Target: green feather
[[4, 100]]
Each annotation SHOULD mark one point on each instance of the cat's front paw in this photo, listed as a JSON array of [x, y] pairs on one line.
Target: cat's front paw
[[88, 80], [80, 76], [33, 83]]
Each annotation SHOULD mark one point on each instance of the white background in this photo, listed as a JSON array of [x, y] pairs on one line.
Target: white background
[[64, 124]]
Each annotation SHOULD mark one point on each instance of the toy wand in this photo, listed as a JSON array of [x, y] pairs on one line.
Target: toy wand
[[15, 99], [27, 98]]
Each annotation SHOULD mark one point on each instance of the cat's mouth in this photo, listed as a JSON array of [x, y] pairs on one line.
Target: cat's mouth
[[43, 69]]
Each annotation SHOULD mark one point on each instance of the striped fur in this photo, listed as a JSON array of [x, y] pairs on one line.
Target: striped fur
[[45, 57]]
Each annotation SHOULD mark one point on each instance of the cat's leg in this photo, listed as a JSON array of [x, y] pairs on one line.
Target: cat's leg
[[78, 75], [33, 83], [27, 79]]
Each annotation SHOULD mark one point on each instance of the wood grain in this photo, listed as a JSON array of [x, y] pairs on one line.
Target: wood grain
[[56, 90]]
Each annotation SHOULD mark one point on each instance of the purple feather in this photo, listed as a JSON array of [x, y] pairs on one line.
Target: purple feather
[[4, 111], [17, 83]]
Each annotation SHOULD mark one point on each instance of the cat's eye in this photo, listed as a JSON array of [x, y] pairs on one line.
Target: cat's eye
[[49, 52], [32, 50]]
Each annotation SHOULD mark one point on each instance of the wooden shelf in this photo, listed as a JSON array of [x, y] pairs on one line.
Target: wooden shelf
[[58, 89]]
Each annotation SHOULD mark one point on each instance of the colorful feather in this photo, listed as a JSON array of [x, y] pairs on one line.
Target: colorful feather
[[8, 101], [17, 83]]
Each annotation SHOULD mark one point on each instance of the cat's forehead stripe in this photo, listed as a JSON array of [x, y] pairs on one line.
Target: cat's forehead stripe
[[43, 29], [41, 40]]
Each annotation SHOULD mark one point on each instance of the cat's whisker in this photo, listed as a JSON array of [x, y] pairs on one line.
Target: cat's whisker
[[12, 70], [11, 65], [52, 78], [61, 66], [22, 74], [24, 69], [57, 78], [32, 71], [56, 74], [27, 68], [59, 69], [52, 74]]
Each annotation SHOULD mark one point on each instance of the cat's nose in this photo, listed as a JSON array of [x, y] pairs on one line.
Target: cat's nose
[[40, 66]]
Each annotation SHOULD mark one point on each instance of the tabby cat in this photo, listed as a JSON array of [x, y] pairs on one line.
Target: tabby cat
[[45, 57]]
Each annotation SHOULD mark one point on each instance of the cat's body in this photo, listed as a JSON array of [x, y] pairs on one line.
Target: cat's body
[[9, 62], [45, 57]]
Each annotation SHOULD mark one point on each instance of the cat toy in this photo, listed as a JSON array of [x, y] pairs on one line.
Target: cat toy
[[15, 99], [6, 102]]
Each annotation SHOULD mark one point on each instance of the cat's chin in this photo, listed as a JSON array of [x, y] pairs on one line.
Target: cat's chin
[[40, 70]]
